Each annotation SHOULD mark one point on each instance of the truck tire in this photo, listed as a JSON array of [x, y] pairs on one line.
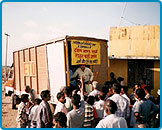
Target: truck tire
[[13, 101]]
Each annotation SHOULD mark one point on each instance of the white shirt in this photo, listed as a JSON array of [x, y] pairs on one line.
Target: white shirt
[[99, 106], [94, 93], [87, 74], [68, 103], [60, 107], [112, 121], [122, 104], [126, 97], [33, 115]]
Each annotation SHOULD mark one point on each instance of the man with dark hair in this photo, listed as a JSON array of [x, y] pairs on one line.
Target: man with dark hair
[[86, 74], [123, 93], [148, 96], [22, 116], [111, 121], [143, 109], [60, 120], [60, 107], [75, 118], [32, 93], [44, 118], [122, 103], [89, 113], [34, 113], [99, 106], [68, 94]]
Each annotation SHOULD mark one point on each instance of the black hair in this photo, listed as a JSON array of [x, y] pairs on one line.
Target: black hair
[[61, 118], [110, 106], [102, 96], [112, 74], [37, 101], [59, 95], [148, 89], [125, 89], [67, 91], [120, 79], [90, 100], [117, 88], [24, 97], [140, 93], [75, 100], [44, 94]]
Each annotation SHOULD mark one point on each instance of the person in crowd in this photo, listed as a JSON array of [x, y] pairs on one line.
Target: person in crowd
[[123, 93], [33, 113], [60, 107], [108, 93], [60, 120], [87, 75], [22, 118], [111, 120], [112, 78], [89, 121], [99, 106], [75, 118], [94, 92], [121, 81], [148, 96], [32, 93], [132, 97], [143, 110], [68, 103], [122, 104], [45, 117]]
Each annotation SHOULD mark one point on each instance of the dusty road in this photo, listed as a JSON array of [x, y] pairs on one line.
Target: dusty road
[[8, 114]]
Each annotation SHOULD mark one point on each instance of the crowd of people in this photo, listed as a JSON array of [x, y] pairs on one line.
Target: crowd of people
[[106, 106]]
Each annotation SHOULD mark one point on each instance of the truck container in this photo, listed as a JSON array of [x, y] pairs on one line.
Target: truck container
[[46, 66]]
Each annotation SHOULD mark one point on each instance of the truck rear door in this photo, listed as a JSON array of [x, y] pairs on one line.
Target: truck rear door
[[56, 68]]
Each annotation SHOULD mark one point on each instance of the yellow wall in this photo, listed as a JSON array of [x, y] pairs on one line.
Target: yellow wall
[[138, 41], [156, 77], [119, 67]]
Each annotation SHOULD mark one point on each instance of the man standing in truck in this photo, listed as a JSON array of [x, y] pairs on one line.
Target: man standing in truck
[[87, 75]]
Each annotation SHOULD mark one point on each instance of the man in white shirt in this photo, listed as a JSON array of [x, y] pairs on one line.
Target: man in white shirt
[[95, 92], [123, 93], [60, 107], [87, 75], [111, 120], [122, 104], [99, 106]]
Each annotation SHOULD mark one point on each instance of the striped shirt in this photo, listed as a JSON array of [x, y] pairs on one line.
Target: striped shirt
[[88, 116]]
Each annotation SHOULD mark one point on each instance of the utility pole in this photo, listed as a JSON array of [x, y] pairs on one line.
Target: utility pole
[[122, 14], [7, 35]]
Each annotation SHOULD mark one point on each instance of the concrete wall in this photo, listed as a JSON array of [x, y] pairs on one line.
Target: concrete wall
[[138, 41]]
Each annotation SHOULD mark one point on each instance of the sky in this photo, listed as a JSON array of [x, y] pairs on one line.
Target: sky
[[30, 23]]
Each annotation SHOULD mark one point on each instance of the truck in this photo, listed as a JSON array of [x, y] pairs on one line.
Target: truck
[[47, 65]]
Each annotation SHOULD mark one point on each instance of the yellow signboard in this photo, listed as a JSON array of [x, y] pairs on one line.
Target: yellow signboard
[[29, 68], [85, 52]]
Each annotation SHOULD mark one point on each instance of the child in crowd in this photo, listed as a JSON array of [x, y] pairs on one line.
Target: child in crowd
[[22, 116]]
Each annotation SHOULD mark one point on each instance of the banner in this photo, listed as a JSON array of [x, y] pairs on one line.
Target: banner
[[85, 52]]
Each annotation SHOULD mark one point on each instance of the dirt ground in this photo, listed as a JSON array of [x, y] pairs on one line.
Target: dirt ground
[[8, 114]]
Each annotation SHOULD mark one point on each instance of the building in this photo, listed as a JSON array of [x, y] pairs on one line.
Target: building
[[134, 53]]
